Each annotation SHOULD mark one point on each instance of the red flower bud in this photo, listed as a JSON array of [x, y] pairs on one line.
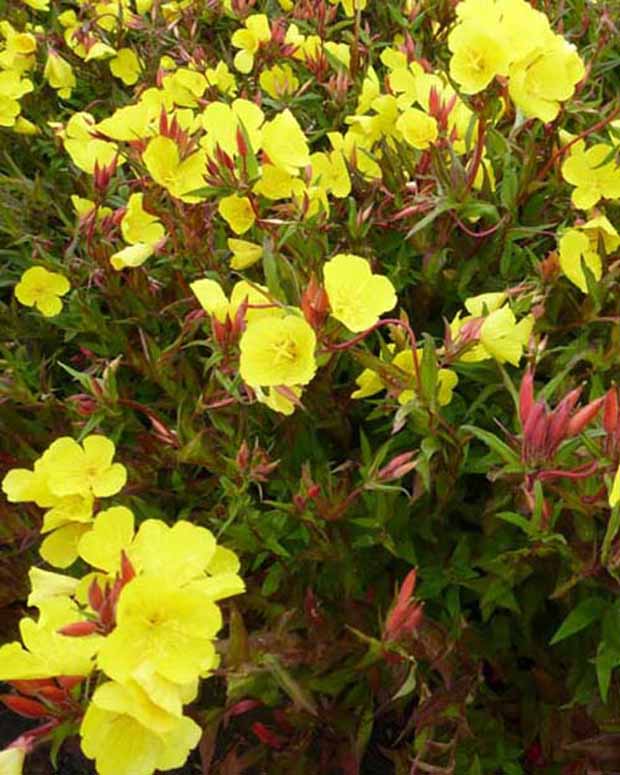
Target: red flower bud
[[610, 415], [583, 417], [526, 396], [266, 736], [78, 629], [24, 706]]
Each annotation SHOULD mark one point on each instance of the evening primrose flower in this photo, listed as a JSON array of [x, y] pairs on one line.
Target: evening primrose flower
[[370, 382], [244, 254], [170, 628], [12, 760], [131, 256], [42, 289], [221, 78], [223, 122], [74, 469], [279, 81], [357, 297], [479, 53], [595, 174], [499, 335], [256, 31], [125, 731], [86, 151], [213, 300], [59, 74], [277, 400], [614, 493], [126, 66], [163, 162], [278, 351], [138, 225], [574, 247], [545, 77], [238, 212], [285, 143], [45, 653], [330, 172], [418, 128]]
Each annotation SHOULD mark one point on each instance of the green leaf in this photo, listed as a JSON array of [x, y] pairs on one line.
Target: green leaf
[[493, 442], [607, 658], [583, 615]]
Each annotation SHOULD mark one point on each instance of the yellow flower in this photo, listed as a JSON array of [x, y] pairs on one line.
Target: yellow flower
[[245, 253], [111, 533], [59, 74], [277, 183], [169, 627], [418, 128], [132, 122], [351, 7], [575, 246], [341, 52], [126, 732], [46, 585], [85, 150], [42, 289], [479, 53], [614, 493], [24, 127], [357, 297], [285, 143], [278, 351], [257, 31], [12, 760], [330, 172], [126, 66], [277, 401], [38, 5], [545, 77], [20, 485], [279, 81], [46, 653], [238, 212], [131, 256], [60, 548], [65, 509], [88, 469], [221, 77], [140, 226], [600, 230], [213, 300], [222, 123], [593, 178], [179, 178], [370, 382]]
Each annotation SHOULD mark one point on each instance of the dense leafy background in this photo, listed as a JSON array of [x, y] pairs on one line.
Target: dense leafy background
[[511, 670]]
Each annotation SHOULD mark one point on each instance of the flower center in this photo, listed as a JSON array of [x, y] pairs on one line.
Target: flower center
[[285, 351]]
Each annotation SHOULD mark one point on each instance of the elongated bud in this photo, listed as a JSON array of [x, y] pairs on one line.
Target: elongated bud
[[558, 421], [610, 413], [78, 629], [584, 416], [95, 595], [266, 736], [397, 467], [531, 430], [127, 570], [242, 146], [526, 396], [315, 303], [24, 706]]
